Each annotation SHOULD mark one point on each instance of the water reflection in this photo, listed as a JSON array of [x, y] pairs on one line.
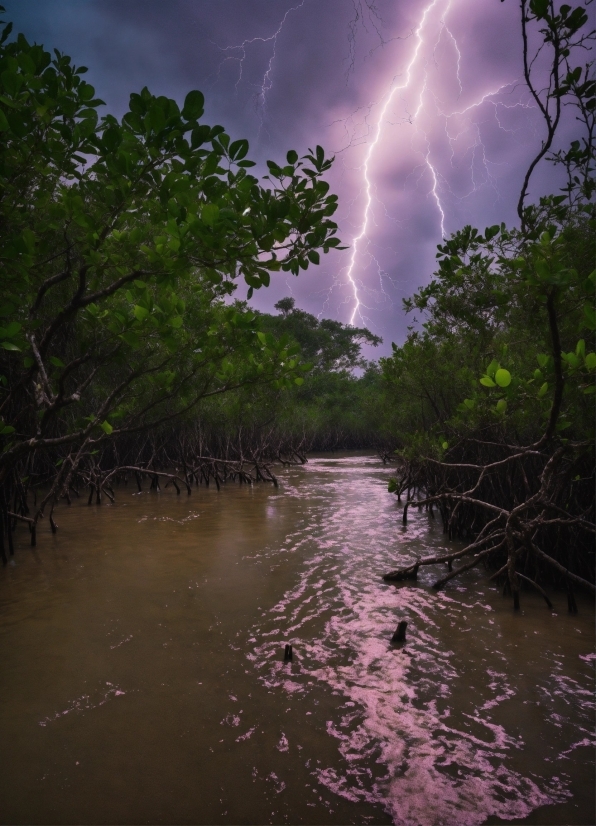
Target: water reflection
[[144, 680]]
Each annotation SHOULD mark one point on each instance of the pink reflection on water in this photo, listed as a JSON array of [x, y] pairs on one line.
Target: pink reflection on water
[[85, 702], [442, 764], [246, 735]]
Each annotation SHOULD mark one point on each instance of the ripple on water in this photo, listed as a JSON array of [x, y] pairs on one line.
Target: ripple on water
[[424, 712]]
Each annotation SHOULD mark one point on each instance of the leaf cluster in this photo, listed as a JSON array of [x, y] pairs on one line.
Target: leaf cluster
[[122, 240]]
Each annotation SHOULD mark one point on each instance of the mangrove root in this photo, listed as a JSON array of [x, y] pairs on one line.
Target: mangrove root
[[403, 573]]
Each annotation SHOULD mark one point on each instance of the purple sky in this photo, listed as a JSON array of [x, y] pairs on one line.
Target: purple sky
[[430, 92]]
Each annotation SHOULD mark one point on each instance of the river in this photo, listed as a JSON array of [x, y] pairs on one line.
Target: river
[[142, 677]]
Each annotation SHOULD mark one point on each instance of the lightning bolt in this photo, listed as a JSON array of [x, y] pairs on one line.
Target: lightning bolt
[[486, 98], [371, 150], [438, 183], [266, 80], [445, 133], [444, 27]]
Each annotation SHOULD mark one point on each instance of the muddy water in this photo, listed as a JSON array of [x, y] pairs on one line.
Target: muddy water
[[142, 676]]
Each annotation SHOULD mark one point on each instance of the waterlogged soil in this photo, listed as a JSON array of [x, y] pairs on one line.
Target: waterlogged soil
[[142, 676]]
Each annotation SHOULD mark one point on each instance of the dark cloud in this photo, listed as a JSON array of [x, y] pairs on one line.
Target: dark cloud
[[456, 139]]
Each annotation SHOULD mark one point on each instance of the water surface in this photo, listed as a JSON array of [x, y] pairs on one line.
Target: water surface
[[143, 681]]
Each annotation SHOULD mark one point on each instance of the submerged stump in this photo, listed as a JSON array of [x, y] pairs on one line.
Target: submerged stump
[[400, 632]]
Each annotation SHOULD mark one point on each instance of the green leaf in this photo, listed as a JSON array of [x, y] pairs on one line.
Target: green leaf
[[238, 150], [591, 361], [292, 157], [86, 91], [470, 403], [11, 329], [8, 345], [6, 430], [543, 389], [210, 214], [111, 139], [199, 135], [7, 29], [224, 140], [131, 339], [492, 368], [107, 428], [503, 377], [501, 405], [542, 360], [140, 313], [194, 104], [487, 381], [444, 445], [299, 380], [156, 117]]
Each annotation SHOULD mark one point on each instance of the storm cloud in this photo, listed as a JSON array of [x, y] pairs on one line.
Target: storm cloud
[[457, 135]]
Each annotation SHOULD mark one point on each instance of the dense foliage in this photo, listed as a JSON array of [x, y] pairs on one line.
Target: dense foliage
[[484, 358], [334, 407], [121, 241], [501, 372]]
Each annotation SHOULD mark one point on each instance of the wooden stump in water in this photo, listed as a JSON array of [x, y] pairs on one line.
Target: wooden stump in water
[[288, 654], [400, 632]]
